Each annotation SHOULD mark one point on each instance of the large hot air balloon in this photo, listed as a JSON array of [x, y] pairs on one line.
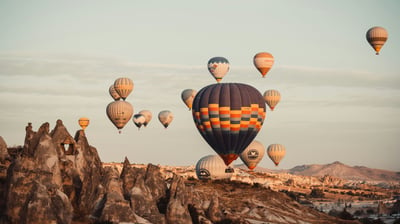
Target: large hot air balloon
[[139, 120], [263, 62], [165, 117], [119, 112], [123, 86], [276, 152], [83, 122], [148, 115], [188, 96], [253, 154], [218, 67], [272, 98], [211, 167], [228, 116], [114, 93], [376, 37]]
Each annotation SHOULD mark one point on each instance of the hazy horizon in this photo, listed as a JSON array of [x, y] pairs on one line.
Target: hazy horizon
[[340, 102]]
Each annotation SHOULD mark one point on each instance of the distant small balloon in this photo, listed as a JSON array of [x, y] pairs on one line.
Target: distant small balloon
[[148, 115], [272, 98], [139, 120], [263, 61], [119, 112], [212, 167], [253, 154], [83, 122], [123, 86], [218, 67], [276, 152], [165, 117], [376, 37], [188, 96], [114, 93]]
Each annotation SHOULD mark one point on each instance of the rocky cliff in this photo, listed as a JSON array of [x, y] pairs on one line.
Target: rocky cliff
[[57, 178]]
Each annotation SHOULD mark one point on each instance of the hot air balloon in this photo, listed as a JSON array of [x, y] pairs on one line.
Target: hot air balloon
[[263, 62], [211, 167], [228, 116], [276, 152], [376, 37], [188, 96], [123, 86], [165, 117], [148, 115], [218, 67], [119, 112], [83, 122], [253, 154], [114, 93], [272, 98], [139, 120]]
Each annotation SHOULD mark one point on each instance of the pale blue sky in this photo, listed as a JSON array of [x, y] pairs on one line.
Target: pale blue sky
[[339, 100]]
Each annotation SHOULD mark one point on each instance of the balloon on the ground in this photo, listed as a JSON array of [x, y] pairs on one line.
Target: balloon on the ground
[[263, 61], [139, 120], [218, 67], [272, 98], [211, 167], [114, 93], [187, 96], [148, 115], [376, 37], [123, 86], [165, 117], [228, 116], [83, 122], [253, 154], [119, 112], [276, 152]]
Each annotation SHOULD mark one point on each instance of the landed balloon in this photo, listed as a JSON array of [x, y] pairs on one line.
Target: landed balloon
[[148, 115], [139, 120], [114, 93], [253, 154], [83, 122], [212, 167], [272, 98], [376, 37], [165, 117], [218, 67], [119, 112], [187, 96], [123, 86], [276, 152], [229, 116], [263, 62]]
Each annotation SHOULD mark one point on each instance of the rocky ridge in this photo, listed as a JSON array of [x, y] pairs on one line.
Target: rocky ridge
[[57, 178]]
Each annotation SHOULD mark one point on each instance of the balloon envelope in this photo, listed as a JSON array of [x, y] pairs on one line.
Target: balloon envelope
[[376, 37], [165, 117], [263, 62], [272, 98], [211, 167], [123, 86], [228, 116], [83, 122], [218, 67], [276, 152], [148, 115], [139, 120], [187, 96], [119, 112], [253, 154], [114, 93]]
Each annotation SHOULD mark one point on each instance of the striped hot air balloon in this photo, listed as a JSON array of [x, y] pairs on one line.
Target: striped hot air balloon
[[253, 154], [123, 86], [376, 37], [218, 67], [114, 93], [272, 98], [119, 112], [263, 62], [228, 116], [188, 96], [276, 152], [211, 167]]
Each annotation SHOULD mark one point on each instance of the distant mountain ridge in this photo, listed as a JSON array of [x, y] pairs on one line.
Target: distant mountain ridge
[[338, 169]]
